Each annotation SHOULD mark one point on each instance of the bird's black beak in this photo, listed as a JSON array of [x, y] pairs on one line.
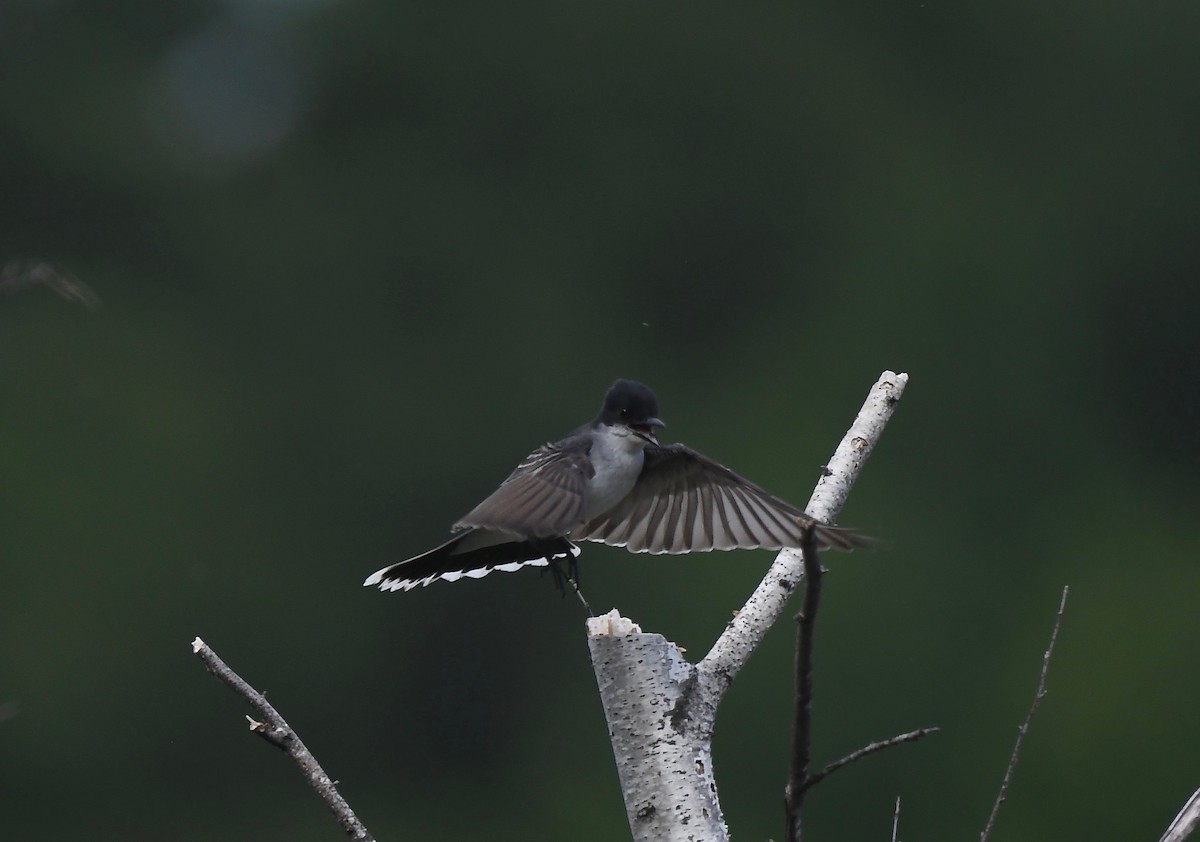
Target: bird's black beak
[[646, 429]]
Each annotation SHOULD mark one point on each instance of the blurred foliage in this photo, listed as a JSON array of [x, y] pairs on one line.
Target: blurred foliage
[[355, 259]]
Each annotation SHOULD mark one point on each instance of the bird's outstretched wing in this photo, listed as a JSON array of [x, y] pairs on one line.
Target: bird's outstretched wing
[[685, 502], [542, 498]]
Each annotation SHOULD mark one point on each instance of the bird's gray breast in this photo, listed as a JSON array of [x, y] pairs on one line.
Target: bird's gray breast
[[617, 461]]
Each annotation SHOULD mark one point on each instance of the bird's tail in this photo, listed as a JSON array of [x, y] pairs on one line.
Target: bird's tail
[[461, 557]]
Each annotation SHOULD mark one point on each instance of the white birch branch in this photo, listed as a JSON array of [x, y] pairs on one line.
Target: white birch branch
[[747, 630], [663, 752], [661, 709], [1186, 822]]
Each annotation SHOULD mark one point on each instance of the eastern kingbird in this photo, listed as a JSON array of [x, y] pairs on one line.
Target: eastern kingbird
[[611, 481]]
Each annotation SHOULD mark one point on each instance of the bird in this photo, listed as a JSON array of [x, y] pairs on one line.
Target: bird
[[612, 482]]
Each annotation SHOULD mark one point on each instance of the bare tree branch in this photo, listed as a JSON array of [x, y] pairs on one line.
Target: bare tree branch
[[275, 730], [742, 636], [1024, 729], [1186, 822], [661, 709]]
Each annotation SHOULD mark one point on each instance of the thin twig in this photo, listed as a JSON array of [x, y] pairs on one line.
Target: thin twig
[[802, 714], [575, 586], [1024, 729], [896, 819], [870, 748], [276, 731], [1186, 822]]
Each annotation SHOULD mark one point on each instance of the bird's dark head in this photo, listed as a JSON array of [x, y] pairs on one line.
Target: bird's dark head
[[633, 405]]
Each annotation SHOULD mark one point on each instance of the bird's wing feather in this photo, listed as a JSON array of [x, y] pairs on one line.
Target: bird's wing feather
[[685, 502], [542, 498]]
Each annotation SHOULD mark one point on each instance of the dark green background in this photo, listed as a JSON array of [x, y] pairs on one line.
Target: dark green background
[[356, 259]]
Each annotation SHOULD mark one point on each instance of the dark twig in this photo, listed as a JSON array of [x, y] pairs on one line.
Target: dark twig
[[1186, 822], [870, 748], [277, 732], [798, 779], [1024, 729]]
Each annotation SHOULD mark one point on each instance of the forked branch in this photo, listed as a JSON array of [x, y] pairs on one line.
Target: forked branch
[[800, 781]]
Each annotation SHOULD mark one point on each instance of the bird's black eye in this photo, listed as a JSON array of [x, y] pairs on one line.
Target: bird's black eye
[[624, 413]]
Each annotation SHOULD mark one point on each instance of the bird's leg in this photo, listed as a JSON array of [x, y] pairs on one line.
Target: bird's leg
[[570, 576], [557, 574]]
